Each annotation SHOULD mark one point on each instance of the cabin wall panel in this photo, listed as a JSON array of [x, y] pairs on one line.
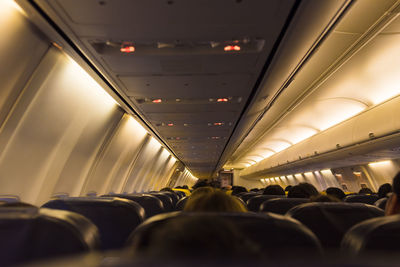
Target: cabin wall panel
[[21, 50], [62, 116]]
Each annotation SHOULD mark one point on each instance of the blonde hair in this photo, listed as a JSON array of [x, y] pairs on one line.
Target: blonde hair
[[215, 201]]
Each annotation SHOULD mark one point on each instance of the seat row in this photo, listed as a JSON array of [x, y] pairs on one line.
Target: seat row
[[59, 228]]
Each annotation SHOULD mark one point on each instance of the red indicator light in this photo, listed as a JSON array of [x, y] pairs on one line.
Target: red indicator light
[[127, 49], [215, 137], [157, 100], [218, 123], [232, 48], [170, 124], [222, 100]]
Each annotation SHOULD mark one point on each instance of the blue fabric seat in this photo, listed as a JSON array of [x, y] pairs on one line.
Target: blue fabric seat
[[29, 233], [281, 205], [115, 217], [366, 199], [330, 221], [151, 204]]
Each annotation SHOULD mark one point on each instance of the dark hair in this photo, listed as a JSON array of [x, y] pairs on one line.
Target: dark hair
[[254, 190], [384, 190], [336, 192], [216, 201], [365, 191], [238, 189], [324, 198], [202, 237], [274, 190], [202, 190], [167, 189], [287, 188], [302, 190], [200, 183], [185, 187], [396, 184]]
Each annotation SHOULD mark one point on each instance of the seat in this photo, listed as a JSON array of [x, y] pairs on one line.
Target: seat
[[166, 200], [180, 194], [181, 203], [330, 221], [254, 203], [270, 231], [379, 234], [115, 217], [366, 199], [247, 195], [29, 233], [173, 196], [381, 203], [151, 204], [281, 205]]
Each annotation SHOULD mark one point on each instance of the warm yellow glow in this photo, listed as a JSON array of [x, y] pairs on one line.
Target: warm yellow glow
[[308, 173], [135, 126], [7, 6], [326, 172], [380, 163]]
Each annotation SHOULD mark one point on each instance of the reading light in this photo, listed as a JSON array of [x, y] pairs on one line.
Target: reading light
[[380, 163], [357, 173], [218, 123], [159, 100], [222, 100], [170, 124], [232, 48]]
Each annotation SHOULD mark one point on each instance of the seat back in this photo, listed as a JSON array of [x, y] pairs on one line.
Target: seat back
[[330, 221], [174, 197], [254, 203], [151, 204], [269, 231], [181, 203], [166, 200], [247, 195], [115, 217], [381, 203], [379, 234], [281, 205], [29, 233], [366, 199]]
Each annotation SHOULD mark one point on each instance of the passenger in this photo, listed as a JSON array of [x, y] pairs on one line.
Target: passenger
[[274, 190], [384, 190], [335, 192], [365, 191], [167, 189], [238, 189], [185, 187], [287, 188], [202, 190], [393, 203], [302, 190], [199, 238], [254, 190], [324, 198], [200, 183], [216, 201], [215, 184]]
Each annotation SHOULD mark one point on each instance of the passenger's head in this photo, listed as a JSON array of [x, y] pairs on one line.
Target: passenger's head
[[200, 183], [393, 203], [384, 190], [238, 189], [216, 201], [365, 191], [202, 190], [254, 190], [335, 192], [324, 198], [199, 238], [302, 190], [274, 190], [185, 187], [167, 189], [287, 188]]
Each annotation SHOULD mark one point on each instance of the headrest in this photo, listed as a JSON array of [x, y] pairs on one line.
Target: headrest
[[29, 233], [366, 199], [254, 203], [151, 204], [378, 234], [381, 203], [247, 195], [115, 217], [166, 200], [268, 231], [173, 196], [330, 221], [181, 203], [281, 205]]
